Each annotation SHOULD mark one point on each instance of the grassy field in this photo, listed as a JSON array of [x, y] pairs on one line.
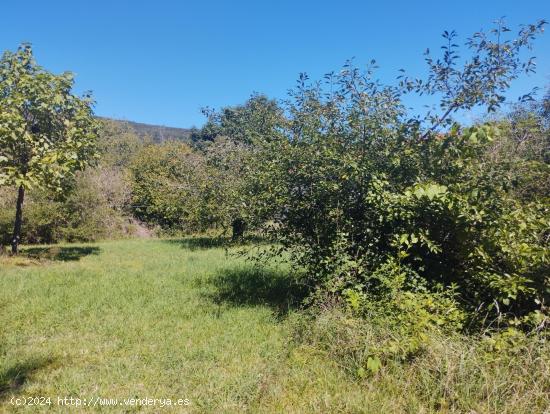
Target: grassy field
[[182, 320], [150, 318]]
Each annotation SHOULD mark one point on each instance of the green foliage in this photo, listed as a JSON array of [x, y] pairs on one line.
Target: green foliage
[[523, 151], [178, 188], [406, 231], [163, 185], [94, 204], [41, 219], [226, 198], [230, 143], [118, 143], [444, 372], [93, 208], [248, 124], [47, 132], [354, 185]]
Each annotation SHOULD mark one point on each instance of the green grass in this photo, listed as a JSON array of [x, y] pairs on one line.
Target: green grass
[[173, 319], [134, 318]]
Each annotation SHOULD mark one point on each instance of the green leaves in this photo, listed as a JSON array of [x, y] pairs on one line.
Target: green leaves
[[356, 186], [180, 189], [374, 364], [47, 132], [429, 190]]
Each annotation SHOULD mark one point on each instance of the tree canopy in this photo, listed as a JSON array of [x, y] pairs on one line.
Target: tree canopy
[[47, 132]]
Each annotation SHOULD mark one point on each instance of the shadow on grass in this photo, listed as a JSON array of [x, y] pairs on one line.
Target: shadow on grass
[[64, 254], [258, 286], [14, 377], [204, 242]]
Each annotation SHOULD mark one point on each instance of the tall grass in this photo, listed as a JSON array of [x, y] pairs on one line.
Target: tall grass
[[171, 319], [450, 373]]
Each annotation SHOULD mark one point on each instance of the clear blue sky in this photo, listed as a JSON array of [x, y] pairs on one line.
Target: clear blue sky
[[161, 61]]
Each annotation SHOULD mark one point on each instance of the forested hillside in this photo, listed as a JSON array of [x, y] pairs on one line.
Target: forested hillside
[[156, 133]]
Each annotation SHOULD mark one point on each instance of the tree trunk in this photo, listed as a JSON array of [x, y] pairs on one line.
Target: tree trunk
[[239, 227], [18, 220]]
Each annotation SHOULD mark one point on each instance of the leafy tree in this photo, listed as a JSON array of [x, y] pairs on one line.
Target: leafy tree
[[93, 206], [230, 141], [226, 195], [371, 200], [523, 150], [178, 188], [118, 143], [47, 133], [481, 80], [164, 188], [249, 124]]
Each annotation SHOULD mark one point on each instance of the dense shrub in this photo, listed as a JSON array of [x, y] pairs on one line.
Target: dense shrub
[[181, 189], [94, 205], [93, 209], [41, 219], [369, 199], [118, 143], [163, 184]]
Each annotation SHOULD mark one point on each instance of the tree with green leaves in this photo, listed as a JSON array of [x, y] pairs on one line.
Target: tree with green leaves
[[375, 202], [229, 141], [250, 123], [165, 190], [47, 133]]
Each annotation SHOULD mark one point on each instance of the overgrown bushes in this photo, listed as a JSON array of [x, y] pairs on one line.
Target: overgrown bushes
[[90, 211], [189, 190], [448, 372], [377, 205], [163, 184]]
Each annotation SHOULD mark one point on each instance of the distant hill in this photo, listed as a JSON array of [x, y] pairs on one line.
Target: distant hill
[[158, 133]]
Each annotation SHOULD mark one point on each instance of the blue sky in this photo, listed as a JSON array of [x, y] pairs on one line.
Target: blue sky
[[161, 61]]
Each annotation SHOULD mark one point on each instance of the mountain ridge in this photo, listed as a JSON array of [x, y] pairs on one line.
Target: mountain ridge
[[158, 133]]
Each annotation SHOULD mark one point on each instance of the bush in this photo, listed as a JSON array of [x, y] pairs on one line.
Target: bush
[[164, 189], [40, 221], [95, 204], [93, 209], [192, 191], [362, 195]]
